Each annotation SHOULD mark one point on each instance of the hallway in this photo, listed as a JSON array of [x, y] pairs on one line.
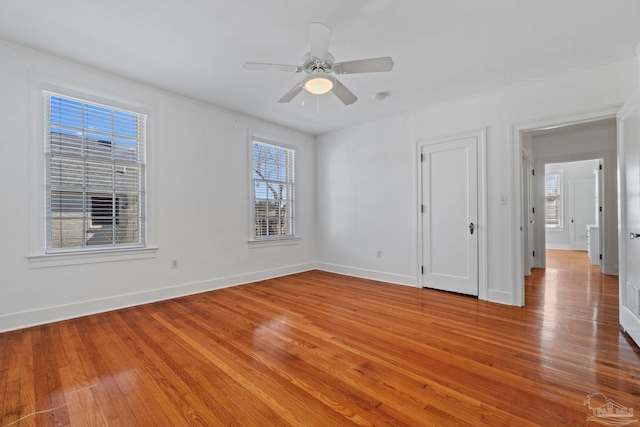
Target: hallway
[[577, 311], [570, 288]]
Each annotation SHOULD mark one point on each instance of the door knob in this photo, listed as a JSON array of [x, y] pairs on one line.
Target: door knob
[[471, 228], [634, 235]]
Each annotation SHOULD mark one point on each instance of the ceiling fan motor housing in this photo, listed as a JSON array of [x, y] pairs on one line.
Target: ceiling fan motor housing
[[313, 65]]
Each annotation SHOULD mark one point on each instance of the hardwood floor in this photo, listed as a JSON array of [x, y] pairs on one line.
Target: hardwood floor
[[319, 349]]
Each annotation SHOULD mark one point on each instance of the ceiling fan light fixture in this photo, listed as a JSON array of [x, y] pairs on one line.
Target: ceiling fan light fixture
[[319, 84]]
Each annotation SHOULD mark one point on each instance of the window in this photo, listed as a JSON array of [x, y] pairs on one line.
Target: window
[[273, 191], [95, 175], [553, 200]]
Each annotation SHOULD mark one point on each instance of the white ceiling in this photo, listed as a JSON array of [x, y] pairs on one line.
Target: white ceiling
[[442, 49]]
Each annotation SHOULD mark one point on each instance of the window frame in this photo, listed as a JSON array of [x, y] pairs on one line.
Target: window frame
[[278, 239], [98, 207], [559, 197], [37, 255]]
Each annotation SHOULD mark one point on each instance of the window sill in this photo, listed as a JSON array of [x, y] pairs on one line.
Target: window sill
[[279, 241], [90, 257]]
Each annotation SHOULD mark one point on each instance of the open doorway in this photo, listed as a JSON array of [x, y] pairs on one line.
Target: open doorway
[[554, 144], [572, 210]]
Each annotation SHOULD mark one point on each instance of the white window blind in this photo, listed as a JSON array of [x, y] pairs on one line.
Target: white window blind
[[274, 191], [95, 175], [553, 205]]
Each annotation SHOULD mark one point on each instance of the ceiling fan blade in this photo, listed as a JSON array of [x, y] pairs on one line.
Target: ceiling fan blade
[[291, 94], [371, 65], [271, 67], [344, 94], [319, 35]]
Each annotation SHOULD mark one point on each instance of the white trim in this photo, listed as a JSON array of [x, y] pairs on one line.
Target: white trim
[[38, 83], [59, 259], [288, 239], [608, 158], [516, 129], [274, 241], [90, 95], [629, 321], [558, 246], [481, 137], [363, 273], [270, 139], [500, 297], [14, 321], [561, 190], [527, 205]]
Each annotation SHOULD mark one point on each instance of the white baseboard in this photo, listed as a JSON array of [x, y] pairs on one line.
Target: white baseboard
[[25, 319], [397, 279], [612, 270], [500, 297], [560, 246]]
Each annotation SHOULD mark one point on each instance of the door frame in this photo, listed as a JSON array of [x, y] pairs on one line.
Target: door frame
[[528, 219], [607, 160], [629, 321], [517, 278], [480, 135]]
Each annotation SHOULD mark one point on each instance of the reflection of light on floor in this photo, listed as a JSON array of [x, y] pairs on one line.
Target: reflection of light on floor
[[550, 307], [263, 334], [126, 380], [77, 402], [572, 293]]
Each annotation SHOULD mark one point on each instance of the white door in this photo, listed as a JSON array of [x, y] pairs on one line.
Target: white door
[[450, 215], [528, 222], [582, 199], [629, 155]]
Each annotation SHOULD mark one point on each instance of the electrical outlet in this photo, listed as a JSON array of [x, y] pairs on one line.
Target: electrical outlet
[[174, 264]]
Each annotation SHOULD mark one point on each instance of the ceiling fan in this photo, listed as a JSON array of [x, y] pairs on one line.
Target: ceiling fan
[[320, 66]]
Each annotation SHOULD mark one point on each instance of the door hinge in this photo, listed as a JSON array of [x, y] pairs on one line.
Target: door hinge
[[534, 253], [533, 172], [421, 208], [533, 210], [600, 256], [600, 167], [421, 157], [422, 269], [600, 208]]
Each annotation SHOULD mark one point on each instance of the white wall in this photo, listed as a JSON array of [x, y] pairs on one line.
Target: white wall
[[367, 175], [560, 238], [198, 182]]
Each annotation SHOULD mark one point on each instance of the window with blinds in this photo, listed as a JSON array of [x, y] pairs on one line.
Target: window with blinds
[[553, 200], [274, 191], [95, 175]]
